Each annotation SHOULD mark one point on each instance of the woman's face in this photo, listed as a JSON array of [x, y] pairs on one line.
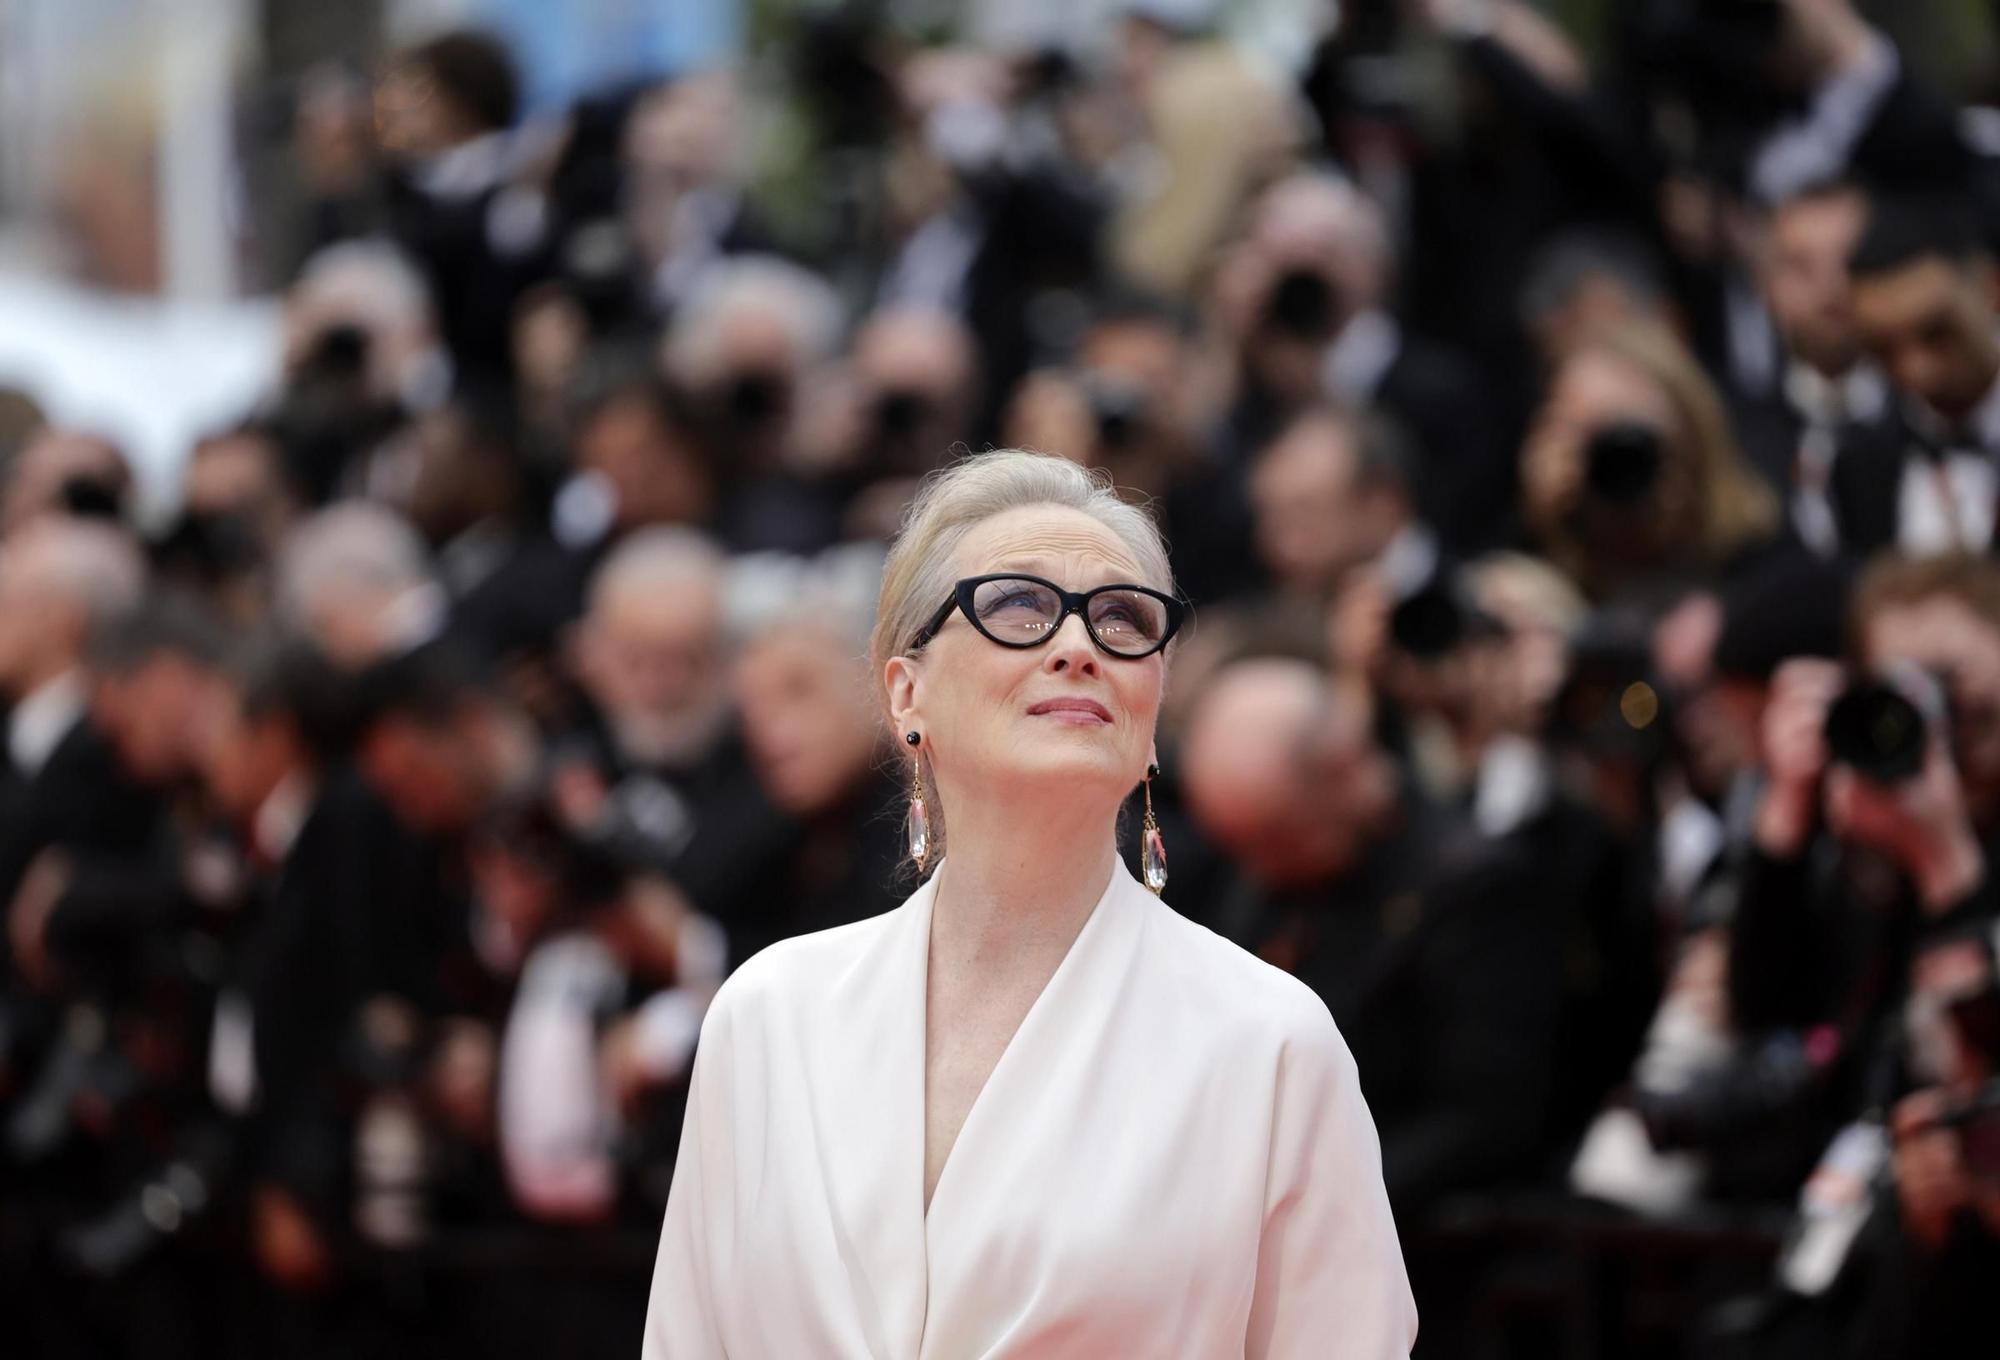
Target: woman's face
[[1063, 716]]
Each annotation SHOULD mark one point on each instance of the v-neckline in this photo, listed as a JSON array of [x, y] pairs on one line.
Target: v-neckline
[[980, 1100]]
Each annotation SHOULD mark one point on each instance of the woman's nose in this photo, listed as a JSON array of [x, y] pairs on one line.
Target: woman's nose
[[1072, 648]]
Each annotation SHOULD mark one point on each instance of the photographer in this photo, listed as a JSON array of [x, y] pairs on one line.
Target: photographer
[[1304, 297], [1920, 478], [1630, 478]]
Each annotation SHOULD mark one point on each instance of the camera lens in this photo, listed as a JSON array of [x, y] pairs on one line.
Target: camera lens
[[1873, 728], [1430, 623], [899, 414], [1622, 463], [1301, 305], [1119, 409]]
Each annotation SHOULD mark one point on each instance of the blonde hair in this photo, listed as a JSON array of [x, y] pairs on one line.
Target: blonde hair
[[1733, 508], [919, 575]]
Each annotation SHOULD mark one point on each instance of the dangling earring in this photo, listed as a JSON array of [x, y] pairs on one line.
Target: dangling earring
[[917, 822], [1153, 848]]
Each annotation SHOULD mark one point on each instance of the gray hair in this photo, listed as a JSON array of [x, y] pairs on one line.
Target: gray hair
[[658, 558], [798, 299], [954, 499], [350, 549]]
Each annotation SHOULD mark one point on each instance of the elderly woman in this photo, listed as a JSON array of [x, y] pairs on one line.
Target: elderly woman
[[1032, 1111]]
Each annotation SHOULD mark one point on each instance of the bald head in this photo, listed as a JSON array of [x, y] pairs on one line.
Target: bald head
[[1280, 774]]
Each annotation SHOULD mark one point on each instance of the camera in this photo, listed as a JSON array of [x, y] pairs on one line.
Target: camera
[[1301, 305], [1119, 410], [1878, 728], [1437, 615], [1622, 463]]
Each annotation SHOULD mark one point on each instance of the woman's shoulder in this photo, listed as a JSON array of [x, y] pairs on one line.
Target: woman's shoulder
[[1234, 988], [802, 966]]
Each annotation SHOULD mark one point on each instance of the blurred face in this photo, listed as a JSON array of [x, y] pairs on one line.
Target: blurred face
[[807, 717], [412, 115], [653, 470], [1061, 717], [651, 658], [243, 759], [430, 776], [1312, 521], [163, 717], [1947, 638], [1930, 325], [237, 476], [1288, 792], [52, 461], [1805, 278]]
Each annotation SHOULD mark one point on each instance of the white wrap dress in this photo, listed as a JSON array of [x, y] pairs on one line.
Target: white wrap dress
[[1172, 1158]]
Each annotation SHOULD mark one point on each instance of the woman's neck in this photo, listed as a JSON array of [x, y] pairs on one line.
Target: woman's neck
[[1014, 895]]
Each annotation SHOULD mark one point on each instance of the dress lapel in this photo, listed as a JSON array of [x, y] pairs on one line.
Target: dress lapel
[[871, 1112]]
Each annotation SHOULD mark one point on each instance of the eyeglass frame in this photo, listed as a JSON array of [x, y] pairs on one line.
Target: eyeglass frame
[[1073, 602]]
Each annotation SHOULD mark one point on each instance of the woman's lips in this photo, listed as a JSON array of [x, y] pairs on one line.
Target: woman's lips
[[1084, 712]]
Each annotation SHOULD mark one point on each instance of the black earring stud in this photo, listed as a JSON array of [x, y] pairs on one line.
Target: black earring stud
[[913, 738], [1152, 772]]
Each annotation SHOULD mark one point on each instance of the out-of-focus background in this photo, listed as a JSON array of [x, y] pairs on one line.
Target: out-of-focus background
[[447, 449]]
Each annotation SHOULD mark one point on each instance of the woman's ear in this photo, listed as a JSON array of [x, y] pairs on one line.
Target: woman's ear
[[902, 677]]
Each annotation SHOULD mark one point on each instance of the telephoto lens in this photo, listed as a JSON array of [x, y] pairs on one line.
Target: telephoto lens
[[1877, 730], [1622, 463]]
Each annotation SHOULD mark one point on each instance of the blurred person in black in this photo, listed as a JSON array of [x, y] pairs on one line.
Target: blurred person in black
[[907, 396], [1920, 478], [810, 730], [1304, 297], [60, 579], [238, 504], [1135, 399], [1630, 478], [746, 345], [1731, 1104], [1477, 122], [111, 922], [1331, 494], [361, 351], [1825, 383], [444, 115], [1423, 939], [656, 737]]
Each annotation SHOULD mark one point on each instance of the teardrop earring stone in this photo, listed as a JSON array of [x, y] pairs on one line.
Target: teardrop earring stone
[[1154, 860], [917, 832]]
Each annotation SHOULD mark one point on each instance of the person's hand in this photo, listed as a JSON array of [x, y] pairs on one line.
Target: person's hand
[[1357, 626], [1795, 753], [645, 927], [1931, 1181], [1828, 36], [622, 1070], [1552, 473], [1921, 823], [42, 887], [288, 1247]]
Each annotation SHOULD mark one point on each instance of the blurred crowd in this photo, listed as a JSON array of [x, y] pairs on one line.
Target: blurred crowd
[[1587, 478]]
